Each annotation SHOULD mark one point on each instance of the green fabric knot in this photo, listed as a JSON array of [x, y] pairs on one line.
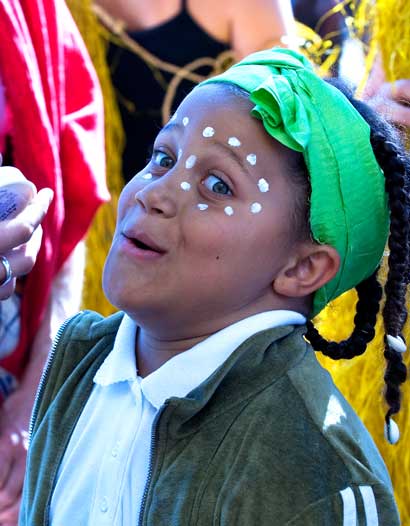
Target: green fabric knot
[[282, 112]]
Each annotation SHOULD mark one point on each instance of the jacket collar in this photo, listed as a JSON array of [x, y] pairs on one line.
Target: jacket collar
[[259, 362], [184, 372]]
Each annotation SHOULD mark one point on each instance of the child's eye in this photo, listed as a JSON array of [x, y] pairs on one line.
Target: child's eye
[[217, 185], [162, 159]]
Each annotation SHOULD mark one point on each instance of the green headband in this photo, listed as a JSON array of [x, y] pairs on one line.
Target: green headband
[[348, 208]]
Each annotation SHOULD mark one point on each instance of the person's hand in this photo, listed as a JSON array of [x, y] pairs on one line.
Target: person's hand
[[20, 240], [392, 100], [14, 418]]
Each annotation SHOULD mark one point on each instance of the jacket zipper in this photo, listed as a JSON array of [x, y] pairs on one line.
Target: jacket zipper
[[46, 371], [153, 446]]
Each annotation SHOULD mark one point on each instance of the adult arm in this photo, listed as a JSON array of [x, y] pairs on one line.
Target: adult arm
[[260, 24]]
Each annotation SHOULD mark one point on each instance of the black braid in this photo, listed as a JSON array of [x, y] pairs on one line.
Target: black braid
[[395, 166], [369, 294], [395, 311]]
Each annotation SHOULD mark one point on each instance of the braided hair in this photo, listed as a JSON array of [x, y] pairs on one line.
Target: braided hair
[[395, 165]]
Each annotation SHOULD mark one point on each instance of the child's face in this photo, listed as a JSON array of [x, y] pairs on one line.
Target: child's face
[[216, 207]]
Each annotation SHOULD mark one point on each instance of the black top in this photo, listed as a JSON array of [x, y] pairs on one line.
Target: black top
[[141, 87]]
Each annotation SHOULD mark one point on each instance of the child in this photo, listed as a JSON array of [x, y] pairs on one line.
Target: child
[[204, 404]]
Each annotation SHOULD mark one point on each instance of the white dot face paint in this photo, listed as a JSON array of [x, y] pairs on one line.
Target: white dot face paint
[[228, 211], [234, 141], [147, 176], [185, 186], [208, 132], [185, 121], [263, 185], [251, 158], [190, 162], [202, 206], [255, 208]]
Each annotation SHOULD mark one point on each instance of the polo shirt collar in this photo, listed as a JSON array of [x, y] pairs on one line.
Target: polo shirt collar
[[184, 372]]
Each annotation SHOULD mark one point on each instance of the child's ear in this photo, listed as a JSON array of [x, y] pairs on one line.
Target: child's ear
[[307, 271]]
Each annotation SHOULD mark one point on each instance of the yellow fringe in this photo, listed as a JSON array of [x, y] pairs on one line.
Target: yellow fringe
[[102, 229], [320, 51], [361, 382]]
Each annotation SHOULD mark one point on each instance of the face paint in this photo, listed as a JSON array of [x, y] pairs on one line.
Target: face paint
[[185, 186], [147, 176], [251, 158], [208, 131], [234, 141], [255, 208], [263, 185], [202, 206], [228, 211], [190, 162], [185, 121]]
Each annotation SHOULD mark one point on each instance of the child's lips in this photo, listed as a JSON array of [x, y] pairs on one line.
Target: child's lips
[[143, 246]]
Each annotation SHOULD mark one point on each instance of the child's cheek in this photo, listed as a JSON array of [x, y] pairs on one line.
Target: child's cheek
[[127, 196], [214, 231]]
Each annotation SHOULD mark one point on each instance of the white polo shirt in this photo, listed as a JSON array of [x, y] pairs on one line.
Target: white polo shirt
[[103, 474]]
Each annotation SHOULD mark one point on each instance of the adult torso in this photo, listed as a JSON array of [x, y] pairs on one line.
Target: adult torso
[[181, 35]]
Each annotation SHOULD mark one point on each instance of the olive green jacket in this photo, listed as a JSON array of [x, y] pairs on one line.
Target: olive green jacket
[[266, 440]]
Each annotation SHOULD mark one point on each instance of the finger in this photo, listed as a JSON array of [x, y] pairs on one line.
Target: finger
[[398, 114], [5, 466], [7, 290], [9, 516], [11, 490], [19, 230], [401, 90], [391, 110], [32, 248], [23, 258]]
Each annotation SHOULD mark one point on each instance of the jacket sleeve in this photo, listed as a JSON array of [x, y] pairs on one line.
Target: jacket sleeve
[[352, 506]]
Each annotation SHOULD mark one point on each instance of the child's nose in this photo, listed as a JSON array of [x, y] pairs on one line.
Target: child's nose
[[159, 197]]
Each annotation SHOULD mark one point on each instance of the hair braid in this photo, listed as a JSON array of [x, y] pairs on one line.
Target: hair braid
[[395, 311], [369, 294]]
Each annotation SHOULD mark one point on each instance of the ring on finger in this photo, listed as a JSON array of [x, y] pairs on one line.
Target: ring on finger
[[7, 267]]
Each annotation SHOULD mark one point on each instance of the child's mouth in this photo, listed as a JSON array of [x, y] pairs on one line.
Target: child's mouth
[[145, 245], [142, 246]]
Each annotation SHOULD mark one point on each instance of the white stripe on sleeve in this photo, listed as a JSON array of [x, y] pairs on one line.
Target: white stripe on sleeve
[[370, 508], [349, 507]]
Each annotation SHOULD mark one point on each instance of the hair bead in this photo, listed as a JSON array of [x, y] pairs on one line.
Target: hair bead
[[391, 431], [396, 343]]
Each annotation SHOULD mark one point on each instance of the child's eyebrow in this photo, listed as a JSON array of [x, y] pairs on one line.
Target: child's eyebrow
[[171, 125], [235, 156]]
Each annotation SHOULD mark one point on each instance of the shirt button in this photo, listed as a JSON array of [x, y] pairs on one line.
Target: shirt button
[[114, 451], [104, 505]]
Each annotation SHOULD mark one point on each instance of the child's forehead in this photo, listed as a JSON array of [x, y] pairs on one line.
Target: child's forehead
[[217, 113], [217, 101]]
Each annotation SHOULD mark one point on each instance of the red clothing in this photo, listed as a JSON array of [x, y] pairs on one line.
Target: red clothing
[[57, 137]]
